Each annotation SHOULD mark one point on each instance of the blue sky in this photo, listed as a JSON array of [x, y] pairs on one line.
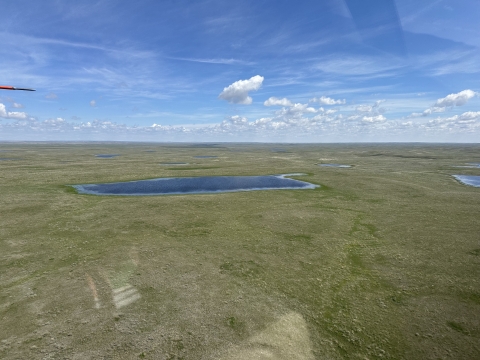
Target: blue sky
[[273, 71]]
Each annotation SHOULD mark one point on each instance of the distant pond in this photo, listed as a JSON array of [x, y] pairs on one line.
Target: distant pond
[[469, 165], [336, 165], [106, 156], [471, 180], [195, 185], [173, 163], [205, 157]]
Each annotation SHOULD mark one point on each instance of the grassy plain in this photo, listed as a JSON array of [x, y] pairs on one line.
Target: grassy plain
[[381, 261]]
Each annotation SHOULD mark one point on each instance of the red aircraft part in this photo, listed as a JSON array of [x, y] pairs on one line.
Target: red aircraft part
[[5, 87]]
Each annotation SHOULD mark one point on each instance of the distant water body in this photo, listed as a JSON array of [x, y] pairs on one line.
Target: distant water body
[[470, 166], [336, 165], [195, 185], [471, 180], [106, 156], [173, 163], [205, 157]]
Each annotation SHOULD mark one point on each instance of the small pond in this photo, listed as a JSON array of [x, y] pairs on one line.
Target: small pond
[[173, 163], [471, 180], [336, 165], [106, 156], [195, 185], [205, 157], [469, 165]]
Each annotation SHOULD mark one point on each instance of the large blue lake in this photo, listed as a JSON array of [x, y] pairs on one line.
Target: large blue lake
[[471, 180], [194, 185]]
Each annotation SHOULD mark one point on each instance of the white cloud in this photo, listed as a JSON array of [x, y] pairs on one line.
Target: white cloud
[[469, 115], [370, 110], [3, 111], [440, 105], [93, 103], [296, 110], [374, 119], [17, 105], [273, 101], [215, 61], [280, 127], [51, 96], [325, 100], [364, 108], [237, 93], [457, 99], [236, 121], [16, 115]]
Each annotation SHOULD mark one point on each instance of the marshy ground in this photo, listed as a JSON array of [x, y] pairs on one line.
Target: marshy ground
[[381, 261]]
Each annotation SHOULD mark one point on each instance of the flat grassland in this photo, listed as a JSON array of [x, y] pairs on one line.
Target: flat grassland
[[381, 261]]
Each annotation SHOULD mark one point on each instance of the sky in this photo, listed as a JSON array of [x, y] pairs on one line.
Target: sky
[[246, 71]]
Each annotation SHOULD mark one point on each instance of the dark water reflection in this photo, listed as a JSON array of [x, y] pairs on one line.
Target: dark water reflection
[[194, 185]]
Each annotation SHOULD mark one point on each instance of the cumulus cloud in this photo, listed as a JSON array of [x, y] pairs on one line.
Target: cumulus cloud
[[237, 93], [281, 127], [470, 115], [273, 101], [325, 100], [93, 103], [451, 100], [427, 112], [16, 115], [17, 105], [235, 122], [457, 99], [296, 110], [3, 111], [51, 96], [374, 119], [372, 110]]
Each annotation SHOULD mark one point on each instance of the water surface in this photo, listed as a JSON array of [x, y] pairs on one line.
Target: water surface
[[336, 165], [471, 180], [205, 157], [195, 185], [173, 163], [106, 156]]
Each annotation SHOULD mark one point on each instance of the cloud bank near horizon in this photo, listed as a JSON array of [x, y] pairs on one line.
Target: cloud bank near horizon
[[293, 122]]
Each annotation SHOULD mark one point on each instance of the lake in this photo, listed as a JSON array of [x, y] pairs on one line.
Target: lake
[[471, 180], [195, 185]]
